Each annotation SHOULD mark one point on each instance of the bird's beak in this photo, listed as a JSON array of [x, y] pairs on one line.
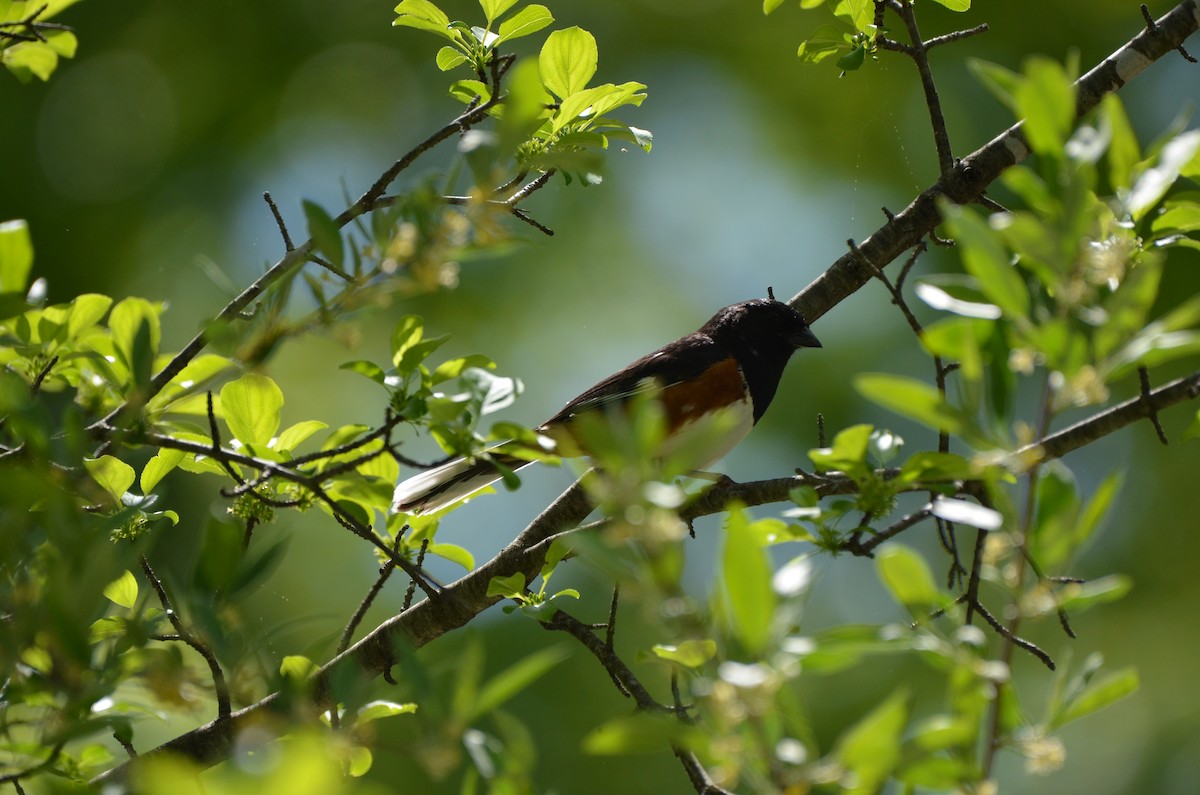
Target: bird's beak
[[806, 339]]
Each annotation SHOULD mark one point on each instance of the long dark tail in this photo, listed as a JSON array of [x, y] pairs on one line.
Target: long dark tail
[[436, 488]]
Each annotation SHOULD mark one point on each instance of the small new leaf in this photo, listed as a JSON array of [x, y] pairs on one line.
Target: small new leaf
[[325, 233], [510, 587]]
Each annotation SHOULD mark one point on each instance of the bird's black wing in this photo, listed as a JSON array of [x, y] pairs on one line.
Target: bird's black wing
[[683, 359]]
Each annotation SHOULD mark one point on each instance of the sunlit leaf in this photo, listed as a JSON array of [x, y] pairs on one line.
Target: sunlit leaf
[[358, 761], [113, 474], [493, 9], [454, 554], [825, 41], [870, 749], [16, 256], [424, 15], [1045, 100], [375, 710], [366, 369], [123, 591], [508, 587], [642, 733], [746, 580], [914, 399], [985, 258], [252, 406], [907, 577], [157, 468], [449, 57], [859, 13], [848, 452], [296, 666], [568, 61], [689, 653], [529, 19], [291, 438]]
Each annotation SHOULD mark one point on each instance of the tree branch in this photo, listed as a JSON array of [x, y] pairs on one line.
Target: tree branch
[[462, 600], [971, 176]]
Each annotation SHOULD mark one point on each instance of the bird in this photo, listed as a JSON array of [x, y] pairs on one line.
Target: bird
[[729, 369]]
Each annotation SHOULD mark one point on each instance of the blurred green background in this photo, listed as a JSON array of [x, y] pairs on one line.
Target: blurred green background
[[141, 166]]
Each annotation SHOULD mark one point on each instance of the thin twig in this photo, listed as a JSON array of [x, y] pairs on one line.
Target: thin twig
[[283, 230], [186, 636]]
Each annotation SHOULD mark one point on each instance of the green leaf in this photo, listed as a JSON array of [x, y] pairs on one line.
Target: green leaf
[[959, 339], [955, 5], [326, 235], [30, 58], [859, 13], [848, 453], [568, 60], [854, 59], [424, 15], [515, 678], [251, 406], [16, 256], [1002, 82], [85, 311], [641, 733], [1045, 99], [1154, 182], [746, 579], [366, 369], [358, 761], [929, 466], [129, 319], [913, 399], [985, 258], [908, 578], [107, 627], [375, 710], [158, 467], [1123, 150], [62, 42], [689, 653], [510, 587], [529, 19], [453, 368], [408, 332], [467, 90], [113, 475], [454, 554], [1098, 695], [296, 666], [493, 9], [448, 58], [291, 438], [771, 5], [1078, 596], [825, 41], [123, 591], [870, 750]]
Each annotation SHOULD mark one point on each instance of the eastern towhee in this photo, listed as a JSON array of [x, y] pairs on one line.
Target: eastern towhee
[[728, 370]]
